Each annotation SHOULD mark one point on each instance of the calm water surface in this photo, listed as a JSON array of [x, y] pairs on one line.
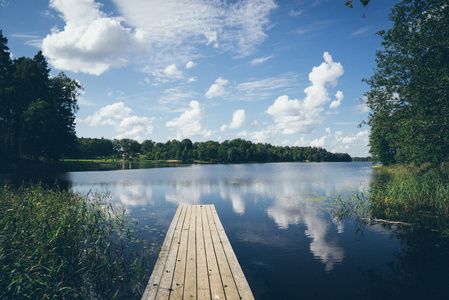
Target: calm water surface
[[277, 219]]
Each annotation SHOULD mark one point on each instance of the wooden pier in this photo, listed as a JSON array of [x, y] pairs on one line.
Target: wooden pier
[[196, 260]]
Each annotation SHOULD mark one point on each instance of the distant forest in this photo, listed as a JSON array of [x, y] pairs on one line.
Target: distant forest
[[234, 151]]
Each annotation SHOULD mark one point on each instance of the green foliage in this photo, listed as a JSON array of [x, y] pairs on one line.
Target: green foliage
[[57, 245], [364, 3], [92, 148], [402, 195], [355, 206], [409, 95], [37, 112], [234, 151], [37, 120], [412, 194], [5, 97]]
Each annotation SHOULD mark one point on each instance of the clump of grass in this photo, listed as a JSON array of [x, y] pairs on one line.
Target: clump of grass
[[405, 195], [58, 245], [412, 191]]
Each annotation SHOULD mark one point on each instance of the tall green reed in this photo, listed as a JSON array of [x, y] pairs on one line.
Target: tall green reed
[[55, 244], [418, 196], [411, 191]]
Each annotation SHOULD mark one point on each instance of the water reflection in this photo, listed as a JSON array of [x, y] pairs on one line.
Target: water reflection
[[186, 192], [132, 194], [292, 195], [276, 218], [238, 204], [290, 210]]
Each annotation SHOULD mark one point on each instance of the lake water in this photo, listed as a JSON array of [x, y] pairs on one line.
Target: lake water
[[277, 218]]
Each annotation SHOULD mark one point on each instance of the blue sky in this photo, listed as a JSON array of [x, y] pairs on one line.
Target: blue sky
[[281, 72]]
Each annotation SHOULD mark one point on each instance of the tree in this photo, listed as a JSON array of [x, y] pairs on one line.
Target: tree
[[409, 95], [38, 130], [63, 97], [147, 146], [5, 99], [37, 111], [33, 86], [127, 146]]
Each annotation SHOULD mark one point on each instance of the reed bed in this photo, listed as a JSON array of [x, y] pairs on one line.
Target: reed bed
[[412, 190], [59, 245], [406, 196]]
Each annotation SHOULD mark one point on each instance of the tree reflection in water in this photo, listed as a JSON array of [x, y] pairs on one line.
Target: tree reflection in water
[[420, 270]]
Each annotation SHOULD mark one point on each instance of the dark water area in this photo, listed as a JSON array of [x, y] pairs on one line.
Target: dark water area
[[278, 219]]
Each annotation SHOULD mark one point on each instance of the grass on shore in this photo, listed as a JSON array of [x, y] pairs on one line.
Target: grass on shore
[[419, 196], [58, 245], [411, 190]]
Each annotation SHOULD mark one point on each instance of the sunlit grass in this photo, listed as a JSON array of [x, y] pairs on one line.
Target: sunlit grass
[[57, 245], [412, 190], [418, 196]]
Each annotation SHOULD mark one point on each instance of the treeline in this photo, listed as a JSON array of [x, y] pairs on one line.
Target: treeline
[[37, 112], [368, 158], [234, 151]]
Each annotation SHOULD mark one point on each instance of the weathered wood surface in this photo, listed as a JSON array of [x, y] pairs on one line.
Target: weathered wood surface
[[196, 260]]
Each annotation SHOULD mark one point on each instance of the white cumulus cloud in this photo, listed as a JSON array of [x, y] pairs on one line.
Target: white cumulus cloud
[[302, 116], [238, 119], [135, 127], [189, 123], [170, 73], [108, 115], [319, 142], [190, 64], [336, 103], [90, 42], [355, 144], [261, 136], [119, 116], [217, 89], [159, 31]]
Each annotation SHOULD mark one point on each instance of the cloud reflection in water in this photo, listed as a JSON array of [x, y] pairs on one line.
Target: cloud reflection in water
[[288, 193], [293, 209]]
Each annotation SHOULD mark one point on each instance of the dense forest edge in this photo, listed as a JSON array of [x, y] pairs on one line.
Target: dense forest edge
[[228, 151]]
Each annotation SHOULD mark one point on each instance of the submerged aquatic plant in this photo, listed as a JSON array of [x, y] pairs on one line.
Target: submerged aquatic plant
[[56, 244], [355, 205]]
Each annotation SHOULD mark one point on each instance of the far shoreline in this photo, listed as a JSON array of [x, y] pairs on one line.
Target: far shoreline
[[79, 165]]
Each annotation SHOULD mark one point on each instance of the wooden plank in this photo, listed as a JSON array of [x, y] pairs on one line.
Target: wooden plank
[[227, 277], [190, 275], [239, 277], [216, 286], [167, 275], [155, 279], [203, 290], [177, 286]]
